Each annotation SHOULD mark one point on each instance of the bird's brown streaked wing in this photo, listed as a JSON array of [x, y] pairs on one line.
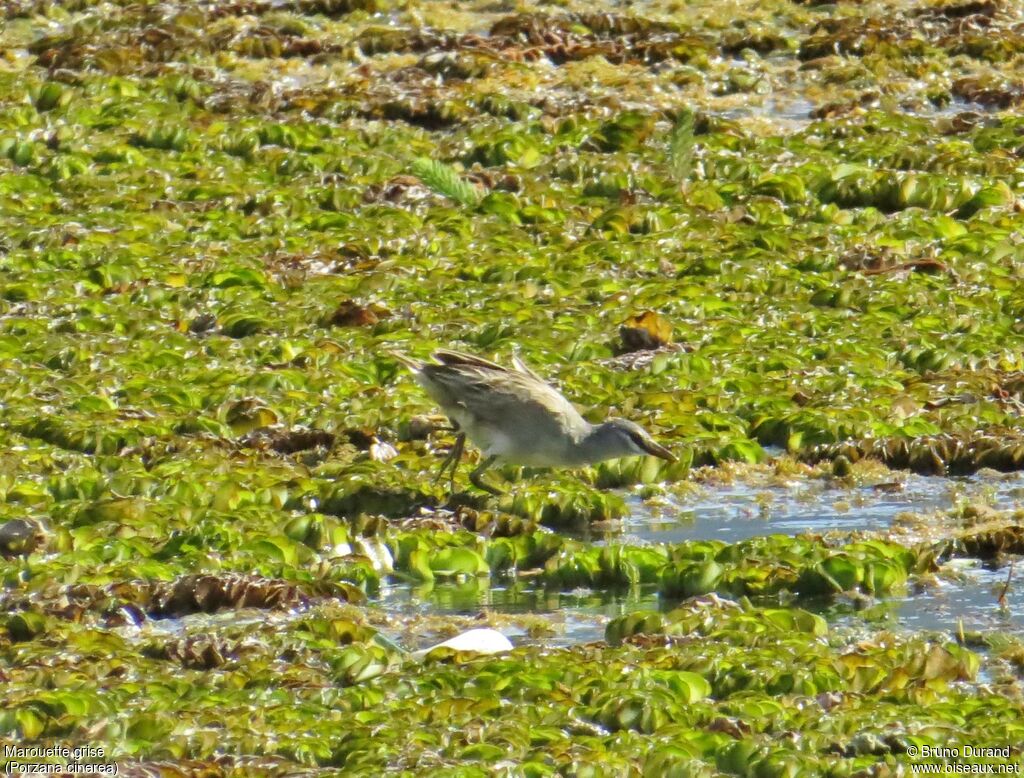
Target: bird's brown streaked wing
[[494, 399], [457, 359]]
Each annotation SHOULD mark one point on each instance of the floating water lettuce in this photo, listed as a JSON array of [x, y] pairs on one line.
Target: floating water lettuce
[[218, 219]]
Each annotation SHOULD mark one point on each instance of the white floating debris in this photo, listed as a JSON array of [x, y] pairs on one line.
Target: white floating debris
[[482, 641], [378, 553], [381, 451]]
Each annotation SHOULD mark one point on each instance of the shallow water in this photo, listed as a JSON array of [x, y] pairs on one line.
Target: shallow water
[[964, 599], [967, 601], [574, 617], [791, 112], [963, 596], [737, 511], [794, 111]]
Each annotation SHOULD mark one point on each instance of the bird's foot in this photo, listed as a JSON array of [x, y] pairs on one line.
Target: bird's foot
[[467, 498], [480, 483], [476, 477]]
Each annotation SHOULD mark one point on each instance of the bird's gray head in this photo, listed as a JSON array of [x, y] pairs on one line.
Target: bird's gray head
[[623, 438]]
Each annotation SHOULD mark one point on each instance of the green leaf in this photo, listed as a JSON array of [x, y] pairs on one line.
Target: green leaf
[[748, 451], [455, 561], [149, 728], [25, 625], [636, 623], [30, 723], [689, 687], [681, 146], [692, 579], [419, 565], [276, 549], [446, 180]]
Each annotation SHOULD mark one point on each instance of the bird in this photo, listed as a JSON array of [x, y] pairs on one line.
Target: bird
[[513, 415]]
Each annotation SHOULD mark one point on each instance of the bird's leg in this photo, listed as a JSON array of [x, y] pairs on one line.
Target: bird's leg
[[476, 476], [452, 460]]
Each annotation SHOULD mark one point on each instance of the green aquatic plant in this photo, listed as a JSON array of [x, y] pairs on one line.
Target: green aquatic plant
[[681, 146], [446, 180], [216, 219]]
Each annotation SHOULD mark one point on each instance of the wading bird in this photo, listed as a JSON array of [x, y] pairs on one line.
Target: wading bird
[[511, 414]]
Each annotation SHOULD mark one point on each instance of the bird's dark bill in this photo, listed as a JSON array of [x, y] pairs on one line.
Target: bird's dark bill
[[655, 450]]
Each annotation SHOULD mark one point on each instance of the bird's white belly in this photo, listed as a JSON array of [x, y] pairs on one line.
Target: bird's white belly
[[494, 442]]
